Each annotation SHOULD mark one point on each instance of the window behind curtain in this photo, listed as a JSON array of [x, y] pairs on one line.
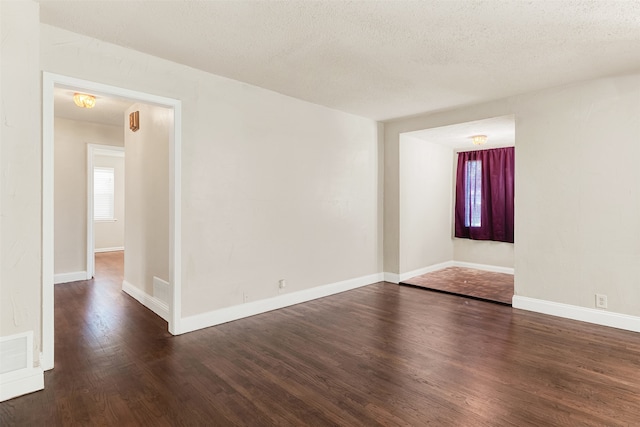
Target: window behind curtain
[[473, 193], [485, 195], [103, 193]]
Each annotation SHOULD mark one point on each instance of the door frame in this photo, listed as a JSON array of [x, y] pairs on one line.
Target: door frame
[[92, 151], [49, 81]]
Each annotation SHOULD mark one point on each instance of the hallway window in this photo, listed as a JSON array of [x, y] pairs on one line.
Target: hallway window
[[103, 194]]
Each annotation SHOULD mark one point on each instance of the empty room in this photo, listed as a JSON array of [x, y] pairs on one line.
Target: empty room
[[289, 166]]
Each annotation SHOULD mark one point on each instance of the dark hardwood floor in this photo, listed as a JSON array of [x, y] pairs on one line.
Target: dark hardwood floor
[[484, 285], [379, 355]]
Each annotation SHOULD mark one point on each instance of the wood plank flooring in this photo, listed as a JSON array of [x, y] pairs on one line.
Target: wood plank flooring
[[381, 355], [484, 285]]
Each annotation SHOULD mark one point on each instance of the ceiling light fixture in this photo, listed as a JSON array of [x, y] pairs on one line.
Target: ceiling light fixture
[[479, 139], [83, 100]]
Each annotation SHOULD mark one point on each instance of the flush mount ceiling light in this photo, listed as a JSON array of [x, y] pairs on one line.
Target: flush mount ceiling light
[[479, 139], [83, 100]]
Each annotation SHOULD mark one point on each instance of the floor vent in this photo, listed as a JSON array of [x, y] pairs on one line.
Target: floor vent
[[15, 352], [161, 290], [18, 376]]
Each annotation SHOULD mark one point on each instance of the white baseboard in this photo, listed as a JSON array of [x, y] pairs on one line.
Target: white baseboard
[[18, 375], [484, 267], [589, 315], [70, 277], [228, 314], [425, 270], [114, 249], [391, 277], [21, 382], [154, 304], [397, 278]]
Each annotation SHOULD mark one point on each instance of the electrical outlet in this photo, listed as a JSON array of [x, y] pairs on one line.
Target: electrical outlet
[[281, 285], [601, 301], [245, 297]]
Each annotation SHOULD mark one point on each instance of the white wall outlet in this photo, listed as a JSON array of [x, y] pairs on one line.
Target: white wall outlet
[[245, 297], [281, 285], [601, 301]]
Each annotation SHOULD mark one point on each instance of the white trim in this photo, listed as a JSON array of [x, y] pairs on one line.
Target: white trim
[[397, 278], [49, 81], [391, 277], [484, 267], [583, 314], [425, 270], [175, 219], [107, 150], [152, 303], [91, 260], [21, 382], [114, 249], [46, 360], [25, 380], [228, 314], [69, 277]]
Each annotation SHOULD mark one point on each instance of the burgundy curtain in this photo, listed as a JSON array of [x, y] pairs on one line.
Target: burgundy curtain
[[484, 194]]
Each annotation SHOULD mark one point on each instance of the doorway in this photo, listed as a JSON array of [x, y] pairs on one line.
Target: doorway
[[105, 202], [427, 245], [50, 81]]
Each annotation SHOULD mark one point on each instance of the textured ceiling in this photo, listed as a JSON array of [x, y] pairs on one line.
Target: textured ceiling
[[378, 59]]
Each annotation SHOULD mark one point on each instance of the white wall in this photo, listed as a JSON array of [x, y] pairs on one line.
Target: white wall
[[147, 197], [578, 194], [70, 188], [495, 254], [273, 187], [577, 199], [109, 235], [426, 179], [20, 172]]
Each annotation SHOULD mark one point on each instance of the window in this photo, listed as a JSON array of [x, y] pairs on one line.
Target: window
[[485, 195], [103, 194], [473, 193]]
